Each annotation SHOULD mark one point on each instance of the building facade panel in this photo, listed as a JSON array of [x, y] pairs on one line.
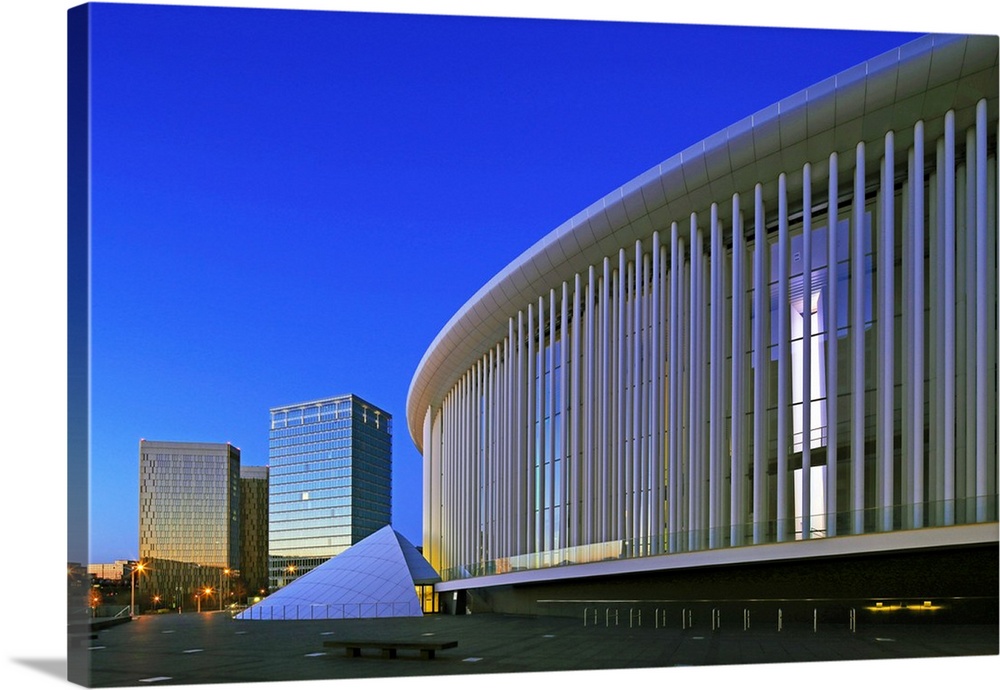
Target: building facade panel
[[809, 356]]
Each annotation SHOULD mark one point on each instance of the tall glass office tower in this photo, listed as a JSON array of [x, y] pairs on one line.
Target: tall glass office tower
[[330, 481], [253, 529], [189, 528]]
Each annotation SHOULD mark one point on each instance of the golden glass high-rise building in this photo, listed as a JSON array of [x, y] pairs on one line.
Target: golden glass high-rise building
[[189, 522]]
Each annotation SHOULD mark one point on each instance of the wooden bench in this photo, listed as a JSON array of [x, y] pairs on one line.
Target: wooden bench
[[389, 648]]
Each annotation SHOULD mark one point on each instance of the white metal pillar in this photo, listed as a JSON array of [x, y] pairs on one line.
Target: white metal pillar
[[982, 365], [621, 382], [602, 401], [917, 325], [636, 454], [695, 421], [886, 318], [858, 346], [784, 355], [589, 407], [806, 371], [738, 344], [761, 303], [832, 339], [949, 319], [654, 500], [575, 400], [673, 403], [715, 382]]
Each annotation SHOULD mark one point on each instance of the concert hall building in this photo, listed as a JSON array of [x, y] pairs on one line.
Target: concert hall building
[[764, 370]]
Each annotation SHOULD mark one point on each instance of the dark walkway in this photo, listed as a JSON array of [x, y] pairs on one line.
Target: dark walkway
[[213, 648]]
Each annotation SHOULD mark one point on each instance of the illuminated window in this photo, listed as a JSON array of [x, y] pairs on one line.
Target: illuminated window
[[803, 308]]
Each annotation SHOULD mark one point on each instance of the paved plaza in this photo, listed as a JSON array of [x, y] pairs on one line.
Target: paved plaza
[[194, 648]]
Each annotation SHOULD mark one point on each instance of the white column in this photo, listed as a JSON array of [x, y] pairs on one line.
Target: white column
[[673, 402], [604, 394], [949, 318], [576, 388], [858, 346], [452, 475], [628, 403], [532, 435], [784, 355], [475, 489], [684, 395], [806, 372], [444, 540], [966, 326], [761, 303], [904, 476], [507, 452], [551, 473], [917, 352], [431, 476], [654, 481], [642, 489], [695, 424], [658, 428], [564, 463], [590, 409], [738, 341], [463, 461], [541, 407], [458, 473], [935, 487], [830, 315], [621, 396], [714, 382], [488, 509], [590, 406], [886, 316], [982, 363], [636, 395]]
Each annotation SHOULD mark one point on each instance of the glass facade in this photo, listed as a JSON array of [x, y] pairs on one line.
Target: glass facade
[[330, 481], [253, 531], [189, 519]]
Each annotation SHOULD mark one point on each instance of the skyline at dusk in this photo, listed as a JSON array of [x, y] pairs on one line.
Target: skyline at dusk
[[290, 205]]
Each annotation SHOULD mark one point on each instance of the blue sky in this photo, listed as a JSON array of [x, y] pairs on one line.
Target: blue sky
[[289, 205]]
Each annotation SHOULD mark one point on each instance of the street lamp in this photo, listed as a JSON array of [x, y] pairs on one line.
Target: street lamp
[[137, 568], [224, 571], [207, 592]]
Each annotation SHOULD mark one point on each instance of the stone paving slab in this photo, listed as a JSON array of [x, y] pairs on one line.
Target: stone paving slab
[[188, 649]]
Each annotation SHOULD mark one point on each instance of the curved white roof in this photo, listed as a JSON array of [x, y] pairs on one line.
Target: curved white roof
[[890, 91]]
